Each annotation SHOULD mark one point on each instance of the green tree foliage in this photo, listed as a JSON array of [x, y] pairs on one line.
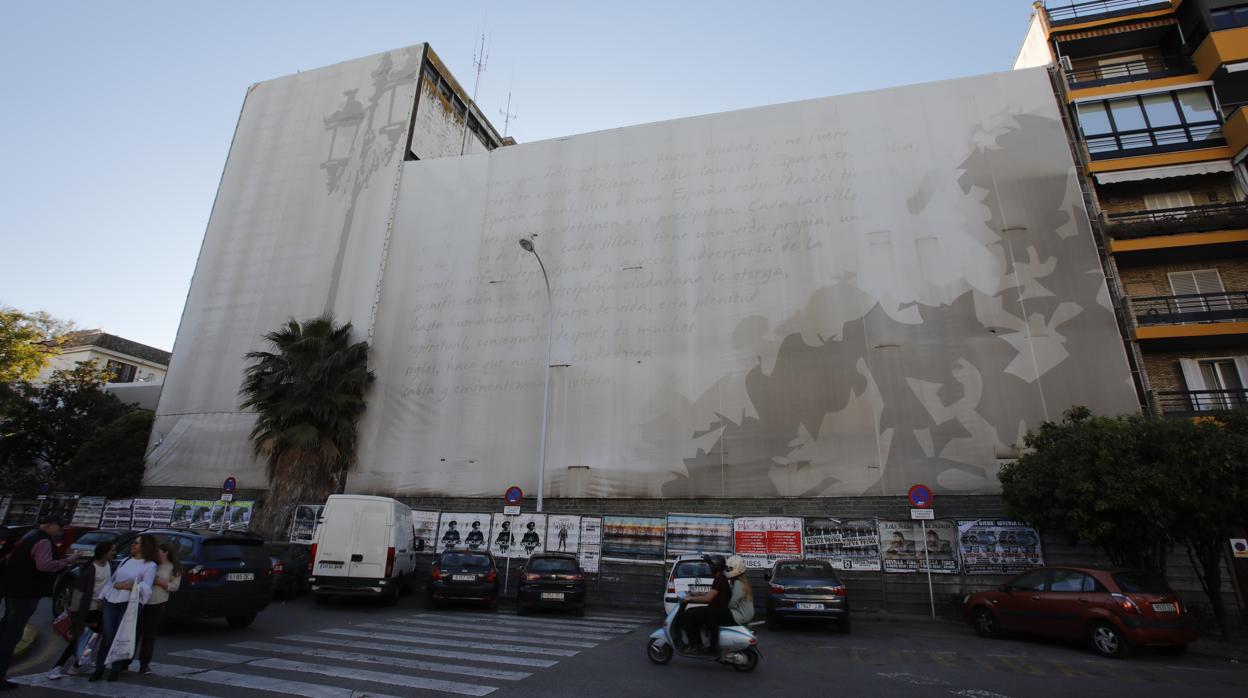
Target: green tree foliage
[[44, 426], [111, 463], [308, 395], [27, 342], [1136, 487]]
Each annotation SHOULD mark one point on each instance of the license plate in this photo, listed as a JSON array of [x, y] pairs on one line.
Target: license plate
[[553, 595], [331, 565], [698, 590], [463, 577], [1164, 608], [812, 606], [240, 576]]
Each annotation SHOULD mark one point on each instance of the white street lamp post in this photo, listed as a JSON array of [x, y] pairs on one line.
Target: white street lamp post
[[528, 246]]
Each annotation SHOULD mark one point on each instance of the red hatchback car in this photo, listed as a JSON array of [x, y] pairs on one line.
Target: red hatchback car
[[1113, 610]]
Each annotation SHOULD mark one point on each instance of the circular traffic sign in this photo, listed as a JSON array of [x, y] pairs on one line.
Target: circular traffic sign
[[513, 495], [921, 496], [229, 484]]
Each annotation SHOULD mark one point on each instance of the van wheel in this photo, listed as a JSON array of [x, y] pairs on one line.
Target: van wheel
[[1108, 642], [241, 621], [390, 596], [408, 587]]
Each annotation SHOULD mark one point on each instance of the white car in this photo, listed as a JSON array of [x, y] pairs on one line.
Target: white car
[[363, 546], [689, 575]]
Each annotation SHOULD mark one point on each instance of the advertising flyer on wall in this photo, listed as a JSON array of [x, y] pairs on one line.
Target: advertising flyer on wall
[[303, 525], [195, 514], [563, 533], [61, 505], [88, 512], [463, 531], [637, 538], [997, 546], [5, 500], [116, 514], [847, 544], [151, 513], [238, 515], [762, 540], [23, 512], [903, 545], [425, 527], [695, 534], [590, 544], [518, 536]]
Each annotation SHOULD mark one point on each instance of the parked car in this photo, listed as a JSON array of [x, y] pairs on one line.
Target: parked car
[[551, 580], [365, 546], [689, 575], [119, 537], [225, 575], [1113, 610], [463, 576], [806, 590], [290, 568]]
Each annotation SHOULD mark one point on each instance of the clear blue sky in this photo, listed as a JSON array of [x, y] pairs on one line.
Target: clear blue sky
[[119, 115]]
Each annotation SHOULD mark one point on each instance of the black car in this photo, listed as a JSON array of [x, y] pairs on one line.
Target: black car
[[806, 590], [552, 580], [290, 568], [224, 575], [119, 537], [464, 576]]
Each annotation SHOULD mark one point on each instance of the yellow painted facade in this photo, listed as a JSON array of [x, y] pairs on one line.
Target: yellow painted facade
[[1208, 329], [1236, 130], [1161, 159], [1221, 47], [1162, 242]]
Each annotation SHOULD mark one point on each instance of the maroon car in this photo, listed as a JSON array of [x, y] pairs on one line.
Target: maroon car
[[1113, 610]]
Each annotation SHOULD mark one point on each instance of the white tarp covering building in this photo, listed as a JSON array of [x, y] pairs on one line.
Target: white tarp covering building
[[841, 296]]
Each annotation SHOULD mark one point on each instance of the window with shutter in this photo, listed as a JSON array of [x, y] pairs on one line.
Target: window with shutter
[[1169, 199]]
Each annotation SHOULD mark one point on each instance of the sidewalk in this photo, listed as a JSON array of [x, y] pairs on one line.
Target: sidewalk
[[29, 635]]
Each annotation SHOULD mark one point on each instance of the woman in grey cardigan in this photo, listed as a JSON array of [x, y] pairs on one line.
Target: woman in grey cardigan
[[84, 607]]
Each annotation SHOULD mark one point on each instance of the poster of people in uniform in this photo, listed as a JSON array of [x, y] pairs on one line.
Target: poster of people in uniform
[[847, 544], [192, 514], [698, 534], [762, 540], [903, 548], [61, 505], [590, 544], [151, 513], [633, 538], [563, 533], [518, 536], [303, 526], [463, 531], [998, 546], [425, 528], [116, 514], [238, 515], [88, 512]]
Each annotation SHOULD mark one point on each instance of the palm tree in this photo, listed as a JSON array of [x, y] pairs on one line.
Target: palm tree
[[308, 395]]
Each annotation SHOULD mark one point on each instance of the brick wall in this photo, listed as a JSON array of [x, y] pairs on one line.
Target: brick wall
[[1162, 367], [1152, 280], [1129, 196]]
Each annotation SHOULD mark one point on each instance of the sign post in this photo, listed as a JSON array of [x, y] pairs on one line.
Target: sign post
[[227, 496], [921, 499], [512, 498]]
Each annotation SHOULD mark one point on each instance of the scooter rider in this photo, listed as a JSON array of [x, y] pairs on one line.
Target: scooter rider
[[711, 616]]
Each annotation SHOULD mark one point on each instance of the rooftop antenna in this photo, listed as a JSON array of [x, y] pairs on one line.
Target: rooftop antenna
[[479, 59], [507, 114]]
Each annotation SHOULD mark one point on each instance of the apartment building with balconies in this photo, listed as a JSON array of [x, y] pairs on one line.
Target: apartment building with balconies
[[1156, 97]]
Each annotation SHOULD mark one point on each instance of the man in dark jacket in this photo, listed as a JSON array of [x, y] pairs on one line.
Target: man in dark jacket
[[28, 576]]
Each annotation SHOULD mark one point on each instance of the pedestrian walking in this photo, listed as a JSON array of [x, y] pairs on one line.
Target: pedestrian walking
[[131, 583], [29, 573], [84, 605], [168, 579]]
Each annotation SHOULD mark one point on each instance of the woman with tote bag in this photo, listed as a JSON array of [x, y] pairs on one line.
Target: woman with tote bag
[[168, 579], [84, 608], [124, 595]]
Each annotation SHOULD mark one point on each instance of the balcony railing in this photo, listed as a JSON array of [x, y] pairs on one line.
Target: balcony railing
[[1130, 71], [1168, 221], [1192, 403], [1196, 307], [1155, 140], [1072, 12]]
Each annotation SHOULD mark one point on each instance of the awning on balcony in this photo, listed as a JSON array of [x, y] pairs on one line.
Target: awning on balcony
[[1119, 29], [1194, 168]]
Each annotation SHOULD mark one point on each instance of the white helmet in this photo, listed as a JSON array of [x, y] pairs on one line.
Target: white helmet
[[735, 567]]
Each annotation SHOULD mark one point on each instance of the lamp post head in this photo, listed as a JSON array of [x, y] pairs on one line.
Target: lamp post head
[[527, 244]]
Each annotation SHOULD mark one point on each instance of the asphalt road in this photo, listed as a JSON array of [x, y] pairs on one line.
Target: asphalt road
[[350, 650]]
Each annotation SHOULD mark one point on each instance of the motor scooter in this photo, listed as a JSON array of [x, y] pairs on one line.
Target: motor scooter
[[738, 647]]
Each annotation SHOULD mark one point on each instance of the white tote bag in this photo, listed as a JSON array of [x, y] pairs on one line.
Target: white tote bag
[[122, 649]]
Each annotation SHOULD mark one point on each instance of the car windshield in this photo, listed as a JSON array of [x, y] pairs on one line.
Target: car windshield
[[692, 568], [552, 565], [1141, 583], [230, 549], [804, 570], [464, 560], [95, 538]]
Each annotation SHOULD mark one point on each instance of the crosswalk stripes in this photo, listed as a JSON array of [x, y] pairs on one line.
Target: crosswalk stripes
[[444, 653]]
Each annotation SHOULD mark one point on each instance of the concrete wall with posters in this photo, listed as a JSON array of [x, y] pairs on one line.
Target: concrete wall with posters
[[829, 298]]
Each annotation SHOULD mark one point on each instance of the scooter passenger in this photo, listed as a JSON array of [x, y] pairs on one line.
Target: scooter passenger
[[711, 616], [741, 604]]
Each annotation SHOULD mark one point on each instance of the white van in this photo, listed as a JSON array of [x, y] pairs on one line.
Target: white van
[[364, 546]]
